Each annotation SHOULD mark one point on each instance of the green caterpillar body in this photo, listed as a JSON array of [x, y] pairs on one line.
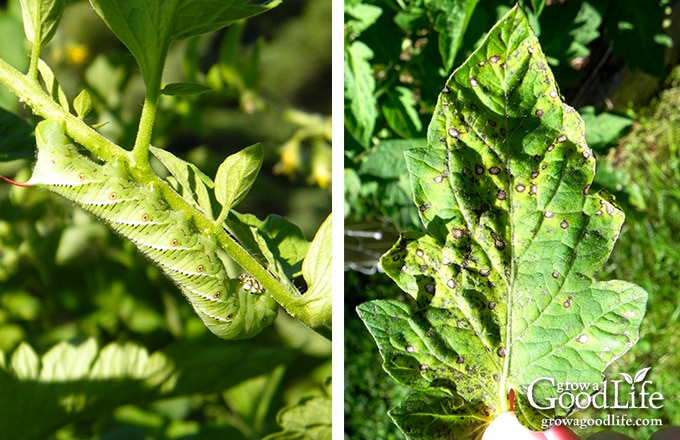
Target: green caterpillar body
[[230, 307]]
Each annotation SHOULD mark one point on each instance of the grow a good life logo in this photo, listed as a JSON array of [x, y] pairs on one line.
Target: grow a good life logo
[[611, 394]]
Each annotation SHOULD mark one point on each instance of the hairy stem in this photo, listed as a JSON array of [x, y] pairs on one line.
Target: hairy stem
[[30, 93], [35, 58], [140, 152]]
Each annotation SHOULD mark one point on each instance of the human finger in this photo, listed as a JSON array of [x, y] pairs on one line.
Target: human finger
[[669, 433], [560, 432], [609, 435], [507, 426]]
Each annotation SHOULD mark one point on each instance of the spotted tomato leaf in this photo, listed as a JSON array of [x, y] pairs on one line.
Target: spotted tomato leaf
[[503, 279]]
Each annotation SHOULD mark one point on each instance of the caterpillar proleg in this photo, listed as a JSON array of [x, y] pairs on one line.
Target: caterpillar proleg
[[138, 211]]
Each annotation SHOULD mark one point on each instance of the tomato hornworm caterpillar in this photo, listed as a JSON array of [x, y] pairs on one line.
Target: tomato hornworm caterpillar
[[231, 308]]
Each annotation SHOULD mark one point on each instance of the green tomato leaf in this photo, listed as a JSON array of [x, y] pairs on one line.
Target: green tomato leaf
[[316, 269], [538, 6], [252, 399], [310, 419], [504, 278], [25, 362], [386, 160], [359, 92], [194, 185], [277, 242], [360, 17], [286, 240], [235, 176], [196, 17], [73, 380], [448, 415], [184, 89], [52, 85], [83, 104], [605, 128], [401, 113], [41, 18], [148, 28], [451, 22]]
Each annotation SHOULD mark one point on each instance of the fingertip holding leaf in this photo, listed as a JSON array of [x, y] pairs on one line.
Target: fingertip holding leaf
[[504, 278], [560, 433], [608, 435], [507, 426]]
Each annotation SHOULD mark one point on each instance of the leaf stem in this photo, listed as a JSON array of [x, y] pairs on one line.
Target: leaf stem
[[140, 152], [35, 58]]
